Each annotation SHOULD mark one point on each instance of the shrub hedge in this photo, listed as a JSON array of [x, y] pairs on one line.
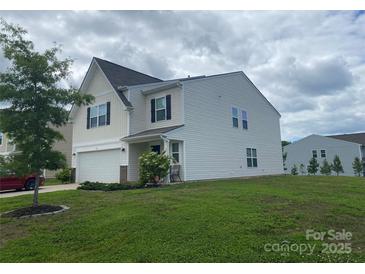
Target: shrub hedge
[[106, 187]]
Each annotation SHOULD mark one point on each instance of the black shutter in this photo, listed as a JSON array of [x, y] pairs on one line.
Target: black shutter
[[88, 118], [168, 107], [108, 113], [153, 118]]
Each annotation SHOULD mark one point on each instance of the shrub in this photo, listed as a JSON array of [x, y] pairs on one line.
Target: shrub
[[106, 187], [312, 168], [302, 169], [337, 165], [153, 167], [294, 170], [357, 166], [64, 175], [326, 168]]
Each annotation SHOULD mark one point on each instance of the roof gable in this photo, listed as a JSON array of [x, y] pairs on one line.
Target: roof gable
[[120, 76]]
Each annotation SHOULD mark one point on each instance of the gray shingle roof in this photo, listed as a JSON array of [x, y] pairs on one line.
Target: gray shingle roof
[[119, 76], [358, 138], [155, 131]]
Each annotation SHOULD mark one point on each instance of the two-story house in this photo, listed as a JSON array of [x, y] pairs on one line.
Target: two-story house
[[217, 126], [65, 146], [346, 146]]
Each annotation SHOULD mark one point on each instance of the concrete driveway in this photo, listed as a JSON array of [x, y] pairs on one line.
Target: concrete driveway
[[42, 189]]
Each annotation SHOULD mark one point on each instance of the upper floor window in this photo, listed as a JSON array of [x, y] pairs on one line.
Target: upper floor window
[[98, 116], [323, 153], [314, 153], [175, 152], [235, 117], [1, 138], [244, 119], [161, 108], [251, 157]]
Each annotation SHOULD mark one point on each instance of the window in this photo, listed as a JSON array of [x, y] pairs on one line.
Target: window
[[1, 138], [323, 153], [102, 115], [98, 115], [161, 109], [244, 119], [175, 152], [235, 117], [251, 157], [314, 153], [156, 148]]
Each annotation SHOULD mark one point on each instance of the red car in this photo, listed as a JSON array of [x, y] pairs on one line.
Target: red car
[[18, 183]]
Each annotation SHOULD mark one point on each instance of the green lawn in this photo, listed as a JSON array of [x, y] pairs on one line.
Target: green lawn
[[217, 221], [52, 181]]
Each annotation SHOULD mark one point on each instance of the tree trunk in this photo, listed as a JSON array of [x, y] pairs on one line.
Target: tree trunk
[[36, 190]]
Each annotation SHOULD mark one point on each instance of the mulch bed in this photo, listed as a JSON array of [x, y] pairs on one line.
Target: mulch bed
[[30, 211]]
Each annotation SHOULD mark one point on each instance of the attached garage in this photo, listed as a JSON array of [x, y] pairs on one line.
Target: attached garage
[[102, 166]]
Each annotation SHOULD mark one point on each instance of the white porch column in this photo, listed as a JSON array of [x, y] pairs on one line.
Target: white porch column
[[166, 149]]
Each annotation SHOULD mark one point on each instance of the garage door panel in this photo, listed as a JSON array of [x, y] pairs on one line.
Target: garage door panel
[[102, 166]]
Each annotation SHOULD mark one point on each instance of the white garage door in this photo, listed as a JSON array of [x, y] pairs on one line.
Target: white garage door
[[102, 166]]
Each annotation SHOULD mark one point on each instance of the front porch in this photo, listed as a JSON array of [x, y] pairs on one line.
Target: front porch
[[158, 144]]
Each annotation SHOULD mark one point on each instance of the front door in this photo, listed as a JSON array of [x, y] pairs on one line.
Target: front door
[[156, 148]]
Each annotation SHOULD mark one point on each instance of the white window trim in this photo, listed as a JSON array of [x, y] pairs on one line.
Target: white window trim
[[174, 152], [316, 153], [241, 110], [98, 115], [325, 153], [238, 116], [251, 148], [156, 109]]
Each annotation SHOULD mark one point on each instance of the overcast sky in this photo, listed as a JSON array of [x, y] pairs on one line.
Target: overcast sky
[[310, 65]]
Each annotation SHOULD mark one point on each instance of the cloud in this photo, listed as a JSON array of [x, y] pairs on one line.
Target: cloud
[[310, 65]]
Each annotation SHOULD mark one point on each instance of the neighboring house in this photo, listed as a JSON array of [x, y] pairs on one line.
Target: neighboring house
[[347, 147], [217, 126], [7, 147]]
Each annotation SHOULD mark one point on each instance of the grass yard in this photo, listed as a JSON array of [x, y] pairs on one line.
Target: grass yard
[[52, 182], [217, 221]]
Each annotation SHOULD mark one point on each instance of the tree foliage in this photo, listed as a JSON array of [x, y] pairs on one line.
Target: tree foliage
[[153, 167], [312, 168], [64, 175], [31, 87], [326, 168], [357, 166], [294, 170], [302, 169], [337, 165]]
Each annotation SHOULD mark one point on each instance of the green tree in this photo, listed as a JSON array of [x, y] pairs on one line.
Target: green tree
[[294, 170], [357, 165], [285, 143], [285, 155], [325, 168], [312, 168], [31, 87], [337, 165], [302, 169]]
